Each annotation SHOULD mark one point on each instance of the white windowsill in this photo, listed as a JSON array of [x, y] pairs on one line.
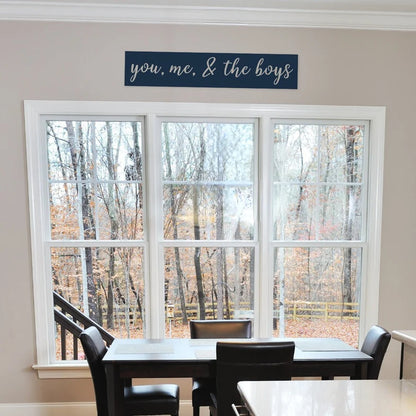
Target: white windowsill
[[69, 369]]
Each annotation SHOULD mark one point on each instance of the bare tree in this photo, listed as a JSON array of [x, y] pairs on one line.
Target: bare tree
[[174, 208], [78, 149], [111, 208], [199, 157], [352, 134]]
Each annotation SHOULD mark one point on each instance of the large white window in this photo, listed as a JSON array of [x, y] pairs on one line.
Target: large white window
[[147, 215]]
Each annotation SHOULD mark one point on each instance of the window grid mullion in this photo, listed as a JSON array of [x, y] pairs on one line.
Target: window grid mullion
[[154, 210], [264, 276]]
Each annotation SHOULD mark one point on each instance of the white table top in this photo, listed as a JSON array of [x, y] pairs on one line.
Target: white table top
[[330, 398]]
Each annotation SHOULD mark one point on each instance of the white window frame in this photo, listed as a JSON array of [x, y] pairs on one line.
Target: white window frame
[[35, 113]]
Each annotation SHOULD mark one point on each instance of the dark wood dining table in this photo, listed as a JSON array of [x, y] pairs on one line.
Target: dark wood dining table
[[161, 358]]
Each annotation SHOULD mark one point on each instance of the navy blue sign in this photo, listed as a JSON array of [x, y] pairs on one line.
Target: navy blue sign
[[211, 70]]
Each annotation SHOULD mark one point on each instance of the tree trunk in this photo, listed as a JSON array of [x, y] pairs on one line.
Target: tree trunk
[[350, 138], [220, 264], [237, 278], [79, 163], [219, 222], [197, 255], [111, 207], [197, 232], [136, 175], [173, 212]]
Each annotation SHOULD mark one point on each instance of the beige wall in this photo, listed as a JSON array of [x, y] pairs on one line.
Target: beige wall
[[68, 61]]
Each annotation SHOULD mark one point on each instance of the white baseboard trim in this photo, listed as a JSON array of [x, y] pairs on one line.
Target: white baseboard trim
[[48, 409], [66, 409]]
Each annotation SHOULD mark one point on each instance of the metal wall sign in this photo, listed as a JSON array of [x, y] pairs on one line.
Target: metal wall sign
[[211, 70]]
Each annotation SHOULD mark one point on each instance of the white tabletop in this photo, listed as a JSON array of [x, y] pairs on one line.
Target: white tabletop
[[330, 398]]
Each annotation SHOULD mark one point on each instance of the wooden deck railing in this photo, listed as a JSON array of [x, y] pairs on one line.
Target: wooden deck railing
[[72, 322], [322, 310], [294, 310]]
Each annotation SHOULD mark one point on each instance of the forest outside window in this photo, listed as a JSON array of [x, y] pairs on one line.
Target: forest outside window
[[318, 178], [148, 219], [208, 196], [96, 194]]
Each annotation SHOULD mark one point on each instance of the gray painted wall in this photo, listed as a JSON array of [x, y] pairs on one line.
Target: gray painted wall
[[80, 61]]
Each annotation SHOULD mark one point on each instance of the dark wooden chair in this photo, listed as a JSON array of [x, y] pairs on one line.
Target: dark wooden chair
[[203, 387], [158, 399], [375, 344], [238, 361]]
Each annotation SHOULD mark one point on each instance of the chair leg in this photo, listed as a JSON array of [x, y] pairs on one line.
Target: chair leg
[[196, 411], [213, 411]]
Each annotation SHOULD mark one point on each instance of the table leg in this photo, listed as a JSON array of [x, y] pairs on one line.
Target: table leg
[[115, 390], [361, 371]]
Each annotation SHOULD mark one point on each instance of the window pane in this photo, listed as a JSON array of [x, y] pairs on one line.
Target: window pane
[[300, 213], [294, 209], [341, 153], [104, 283], [317, 292], [65, 205], [70, 152], [95, 179], [119, 208], [317, 182], [295, 153], [340, 212], [208, 212], [208, 180], [119, 151], [207, 283], [64, 211]]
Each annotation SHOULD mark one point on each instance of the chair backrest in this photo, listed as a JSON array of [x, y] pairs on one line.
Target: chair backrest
[[232, 328], [375, 344], [238, 361], [95, 349]]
